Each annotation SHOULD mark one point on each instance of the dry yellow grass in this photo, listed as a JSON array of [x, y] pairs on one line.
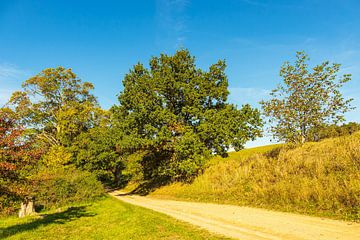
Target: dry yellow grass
[[317, 178]]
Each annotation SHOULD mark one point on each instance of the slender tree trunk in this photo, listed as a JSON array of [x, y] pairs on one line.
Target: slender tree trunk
[[117, 175], [303, 133]]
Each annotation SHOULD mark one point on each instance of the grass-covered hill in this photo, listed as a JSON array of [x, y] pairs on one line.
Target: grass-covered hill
[[320, 178]]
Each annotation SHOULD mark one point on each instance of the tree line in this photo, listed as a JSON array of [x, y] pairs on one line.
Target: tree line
[[171, 117]]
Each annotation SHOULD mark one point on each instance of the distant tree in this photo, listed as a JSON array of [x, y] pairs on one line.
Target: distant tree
[[17, 156], [333, 130], [57, 105], [306, 100], [177, 115]]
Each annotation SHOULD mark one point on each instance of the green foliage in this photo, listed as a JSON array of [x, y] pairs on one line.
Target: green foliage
[[95, 151], [230, 127], [331, 131], [307, 99], [8, 203], [58, 187], [177, 115], [134, 168], [316, 178], [189, 156], [56, 156]]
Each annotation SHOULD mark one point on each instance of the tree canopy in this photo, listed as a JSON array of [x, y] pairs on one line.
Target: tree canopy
[[178, 115], [56, 104]]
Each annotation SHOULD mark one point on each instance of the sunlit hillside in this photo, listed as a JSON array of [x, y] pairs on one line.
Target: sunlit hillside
[[317, 178]]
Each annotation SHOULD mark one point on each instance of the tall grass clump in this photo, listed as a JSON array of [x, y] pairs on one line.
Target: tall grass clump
[[316, 178]]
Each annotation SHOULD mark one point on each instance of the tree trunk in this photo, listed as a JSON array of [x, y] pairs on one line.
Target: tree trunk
[[117, 175], [303, 133], [303, 139], [27, 208]]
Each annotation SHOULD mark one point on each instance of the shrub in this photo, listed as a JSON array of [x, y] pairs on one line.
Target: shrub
[[65, 186], [331, 131], [8, 203]]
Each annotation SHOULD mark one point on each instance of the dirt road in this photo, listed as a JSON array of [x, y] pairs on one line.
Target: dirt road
[[248, 223]]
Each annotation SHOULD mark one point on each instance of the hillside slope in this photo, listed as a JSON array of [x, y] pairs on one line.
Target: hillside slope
[[317, 178]]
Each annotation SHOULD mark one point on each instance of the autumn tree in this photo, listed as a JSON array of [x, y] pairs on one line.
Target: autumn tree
[[177, 115], [17, 156], [306, 100], [57, 105]]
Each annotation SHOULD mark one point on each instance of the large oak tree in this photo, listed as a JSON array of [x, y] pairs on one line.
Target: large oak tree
[[178, 115]]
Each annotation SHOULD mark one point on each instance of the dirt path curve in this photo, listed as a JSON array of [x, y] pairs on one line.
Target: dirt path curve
[[248, 223]]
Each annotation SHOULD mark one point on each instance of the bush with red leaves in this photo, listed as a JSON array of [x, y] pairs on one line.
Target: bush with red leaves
[[17, 155]]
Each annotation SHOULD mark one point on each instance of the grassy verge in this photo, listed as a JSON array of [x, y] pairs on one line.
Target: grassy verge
[[107, 218], [321, 179]]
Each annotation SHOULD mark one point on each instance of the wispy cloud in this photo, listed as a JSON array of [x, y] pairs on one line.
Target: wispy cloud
[[8, 72], [5, 96], [299, 44], [255, 3], [171, 21], [271, 4], [350, 59], [11, 77]]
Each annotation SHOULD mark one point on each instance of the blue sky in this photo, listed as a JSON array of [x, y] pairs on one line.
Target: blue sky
[[102, 40]]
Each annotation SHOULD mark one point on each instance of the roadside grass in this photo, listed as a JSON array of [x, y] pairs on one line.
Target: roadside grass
[[242, 154], [215, 163], [321, 179], [107, 218]]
